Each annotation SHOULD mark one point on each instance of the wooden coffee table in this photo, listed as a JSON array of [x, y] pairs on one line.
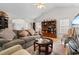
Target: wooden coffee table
[[47, 44]]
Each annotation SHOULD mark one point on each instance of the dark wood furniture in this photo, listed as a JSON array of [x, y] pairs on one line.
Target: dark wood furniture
[[47, 44], [3, 22], [49, 29]]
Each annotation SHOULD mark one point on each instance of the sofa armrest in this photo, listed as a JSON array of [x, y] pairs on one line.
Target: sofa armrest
[[21, 52], [11, 50]]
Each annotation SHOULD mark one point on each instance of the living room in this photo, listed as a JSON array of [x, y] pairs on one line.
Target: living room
[[39, 28]]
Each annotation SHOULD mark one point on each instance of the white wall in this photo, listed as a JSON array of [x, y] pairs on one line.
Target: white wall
[[54, 13], [58, 14]]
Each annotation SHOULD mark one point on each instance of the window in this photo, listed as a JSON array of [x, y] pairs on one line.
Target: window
[[76, 20], [20, 24], [64, 25]]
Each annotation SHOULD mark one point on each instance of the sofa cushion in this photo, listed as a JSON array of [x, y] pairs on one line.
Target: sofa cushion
[[8, 34], [21, 52]]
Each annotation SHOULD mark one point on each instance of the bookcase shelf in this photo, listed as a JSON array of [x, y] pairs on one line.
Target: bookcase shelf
[[49, 29]]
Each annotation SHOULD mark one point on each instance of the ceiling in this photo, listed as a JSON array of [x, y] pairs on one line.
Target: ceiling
[[29, 10]]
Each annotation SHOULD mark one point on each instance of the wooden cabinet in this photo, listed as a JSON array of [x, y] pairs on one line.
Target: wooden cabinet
[[49, 29], [3, 22]]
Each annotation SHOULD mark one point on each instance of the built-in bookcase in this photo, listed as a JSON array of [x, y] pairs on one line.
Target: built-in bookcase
[[49, 28]]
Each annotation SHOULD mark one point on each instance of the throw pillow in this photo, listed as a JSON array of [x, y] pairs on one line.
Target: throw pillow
[[31, 31], [24, 33]]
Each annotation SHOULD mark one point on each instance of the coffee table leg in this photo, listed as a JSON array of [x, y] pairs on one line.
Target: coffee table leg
[[39, 49], [51, 47], [46, 50]]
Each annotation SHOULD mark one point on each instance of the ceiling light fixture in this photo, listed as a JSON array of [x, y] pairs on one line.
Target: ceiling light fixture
[[40, 5]]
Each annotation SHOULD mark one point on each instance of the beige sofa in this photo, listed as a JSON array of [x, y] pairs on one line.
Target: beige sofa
[[14, 50]]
